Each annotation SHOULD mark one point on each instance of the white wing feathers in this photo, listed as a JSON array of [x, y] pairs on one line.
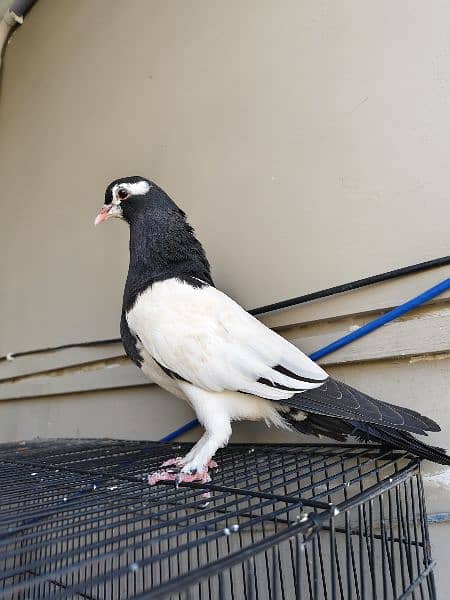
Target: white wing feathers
[[206, 338]]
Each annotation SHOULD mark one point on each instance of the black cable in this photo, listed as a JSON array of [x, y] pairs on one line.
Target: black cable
[[62, 347], [353, 285], [338, 289]]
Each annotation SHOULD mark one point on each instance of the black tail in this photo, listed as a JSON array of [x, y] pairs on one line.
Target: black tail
[[401, 439], [341, 430]]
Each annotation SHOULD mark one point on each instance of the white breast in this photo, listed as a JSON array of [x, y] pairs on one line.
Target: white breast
[[153, 311], [167, 312]]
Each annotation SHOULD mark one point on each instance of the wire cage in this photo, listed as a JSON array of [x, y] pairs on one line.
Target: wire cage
[[308, 521]]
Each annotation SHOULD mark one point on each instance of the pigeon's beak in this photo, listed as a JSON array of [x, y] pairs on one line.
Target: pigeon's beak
[[104, 214]]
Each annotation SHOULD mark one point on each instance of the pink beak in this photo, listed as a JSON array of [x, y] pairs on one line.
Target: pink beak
[[103, 214]]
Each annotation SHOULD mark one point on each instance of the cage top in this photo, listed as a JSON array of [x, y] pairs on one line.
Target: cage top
[[77, 504], [313, 476]]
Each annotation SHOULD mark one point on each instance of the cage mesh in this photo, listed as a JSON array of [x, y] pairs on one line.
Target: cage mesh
[[309, 521]]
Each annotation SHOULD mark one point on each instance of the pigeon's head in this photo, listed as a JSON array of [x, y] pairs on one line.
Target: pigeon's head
[[161, 240], [129, 196]]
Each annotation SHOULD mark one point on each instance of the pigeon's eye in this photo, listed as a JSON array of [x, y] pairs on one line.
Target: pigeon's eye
[[122, 193]]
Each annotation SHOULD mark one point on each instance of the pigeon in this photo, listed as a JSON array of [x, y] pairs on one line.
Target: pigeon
[[197, 343]]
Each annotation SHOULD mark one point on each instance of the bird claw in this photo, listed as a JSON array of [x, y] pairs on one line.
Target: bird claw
[[175, 470]]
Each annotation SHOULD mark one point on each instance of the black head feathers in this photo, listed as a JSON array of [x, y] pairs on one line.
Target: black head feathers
[[162, 243]]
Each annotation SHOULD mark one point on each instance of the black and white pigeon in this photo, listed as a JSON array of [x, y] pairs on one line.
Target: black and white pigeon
[[196, 342]]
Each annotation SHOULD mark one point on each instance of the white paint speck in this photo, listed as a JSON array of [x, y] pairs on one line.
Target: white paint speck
[[303, 516]]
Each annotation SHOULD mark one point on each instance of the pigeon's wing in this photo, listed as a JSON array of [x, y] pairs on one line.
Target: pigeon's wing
[[337, 399], [207, 339], [202, 336]]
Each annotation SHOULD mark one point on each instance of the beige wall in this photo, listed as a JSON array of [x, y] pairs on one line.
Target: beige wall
[[313, 136], [308, 142]]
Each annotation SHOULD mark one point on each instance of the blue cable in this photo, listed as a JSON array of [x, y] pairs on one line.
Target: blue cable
[[429, 294], [174, 434], [436, 290]]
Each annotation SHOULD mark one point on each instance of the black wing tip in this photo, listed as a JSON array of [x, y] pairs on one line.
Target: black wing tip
[[339, 400], [430, 425], [423, 422]]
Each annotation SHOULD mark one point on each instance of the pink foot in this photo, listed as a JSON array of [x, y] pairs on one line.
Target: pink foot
[[175, 473]]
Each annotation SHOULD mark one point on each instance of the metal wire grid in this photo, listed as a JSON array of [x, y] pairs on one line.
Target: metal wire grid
[[77, 520]]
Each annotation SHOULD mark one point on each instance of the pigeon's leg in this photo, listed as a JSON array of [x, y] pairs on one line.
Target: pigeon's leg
[[172, 469], [195, 449], [201, 460], [197, 462], [217, 423]]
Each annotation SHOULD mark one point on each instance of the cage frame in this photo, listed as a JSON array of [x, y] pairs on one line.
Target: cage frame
[[413, 576]]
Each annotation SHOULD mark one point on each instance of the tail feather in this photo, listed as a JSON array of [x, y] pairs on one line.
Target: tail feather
[[341, 430], [400, 440]]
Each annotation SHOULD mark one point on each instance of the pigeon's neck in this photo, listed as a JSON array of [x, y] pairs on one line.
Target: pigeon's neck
[[163, 246]]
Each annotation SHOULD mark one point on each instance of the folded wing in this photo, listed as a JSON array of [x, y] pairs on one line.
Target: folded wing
[[207, 339]]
